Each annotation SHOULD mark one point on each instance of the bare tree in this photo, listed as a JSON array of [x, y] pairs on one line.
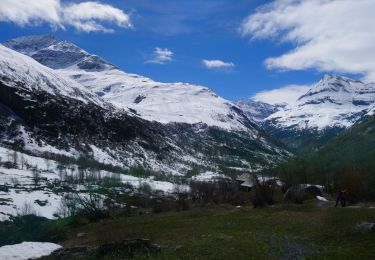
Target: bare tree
[[48, 163], [15, 158], [27, 209], [23, 161], [36, 176]]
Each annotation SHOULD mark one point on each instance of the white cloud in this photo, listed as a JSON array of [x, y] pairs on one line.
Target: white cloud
[[84, 16], [328, 35], [217, 64], [288, 94], [161, 56]]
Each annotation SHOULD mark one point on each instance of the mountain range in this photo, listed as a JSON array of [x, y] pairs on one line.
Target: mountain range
[[57, 100]]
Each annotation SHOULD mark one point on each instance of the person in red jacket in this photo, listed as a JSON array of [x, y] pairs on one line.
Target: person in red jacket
[[341, 197]]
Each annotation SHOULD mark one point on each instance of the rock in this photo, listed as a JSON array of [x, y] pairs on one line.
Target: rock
[[300, 193], [365, 226], [82, 234], [72, 253], [41, 203]]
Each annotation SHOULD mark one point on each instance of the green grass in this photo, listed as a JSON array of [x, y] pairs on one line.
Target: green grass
[[289, 232]]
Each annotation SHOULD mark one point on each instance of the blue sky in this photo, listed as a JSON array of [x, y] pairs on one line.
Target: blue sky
[[194, 30]]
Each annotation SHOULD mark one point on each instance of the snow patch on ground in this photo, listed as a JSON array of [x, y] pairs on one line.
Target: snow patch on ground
[[27, 250], [321, 198]]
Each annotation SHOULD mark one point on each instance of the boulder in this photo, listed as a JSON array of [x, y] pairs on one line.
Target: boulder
[[365, 226], [301, 192]]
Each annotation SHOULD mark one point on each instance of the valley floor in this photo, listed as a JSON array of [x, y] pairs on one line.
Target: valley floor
[[310, 231]]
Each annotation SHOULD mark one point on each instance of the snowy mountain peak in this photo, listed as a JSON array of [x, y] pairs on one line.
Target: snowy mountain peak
[[57, 54], [31, 44], [331, 85]]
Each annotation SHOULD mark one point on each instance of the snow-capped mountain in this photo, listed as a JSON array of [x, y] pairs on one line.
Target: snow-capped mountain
[[334, 101], [46, 113], [332, 105], [154, 101]]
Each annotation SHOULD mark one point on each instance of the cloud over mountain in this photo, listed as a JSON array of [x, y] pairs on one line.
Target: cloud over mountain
[[287, 94]]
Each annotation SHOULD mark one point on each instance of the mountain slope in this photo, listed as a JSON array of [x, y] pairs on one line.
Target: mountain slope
[[345, 160], [154, 101], [46, 113]]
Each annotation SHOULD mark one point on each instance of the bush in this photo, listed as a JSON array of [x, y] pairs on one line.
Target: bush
[[220, 191], [30, 228], [262, 194], [182, 198]]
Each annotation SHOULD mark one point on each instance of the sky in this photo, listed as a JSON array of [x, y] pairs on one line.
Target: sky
[[270, 50]]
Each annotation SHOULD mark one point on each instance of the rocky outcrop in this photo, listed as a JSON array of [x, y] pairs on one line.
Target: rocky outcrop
[[125, 248]]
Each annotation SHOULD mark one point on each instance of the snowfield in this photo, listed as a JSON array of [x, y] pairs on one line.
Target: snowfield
[[25, 202], [27, 250]]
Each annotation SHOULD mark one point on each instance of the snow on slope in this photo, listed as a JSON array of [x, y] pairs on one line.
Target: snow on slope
[[18, 69], [162, 102], [334, 101]]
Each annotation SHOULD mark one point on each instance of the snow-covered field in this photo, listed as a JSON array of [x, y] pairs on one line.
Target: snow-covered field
[[29, 185]]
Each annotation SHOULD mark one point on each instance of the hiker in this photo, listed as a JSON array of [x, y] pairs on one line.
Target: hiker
[[341, 197]]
